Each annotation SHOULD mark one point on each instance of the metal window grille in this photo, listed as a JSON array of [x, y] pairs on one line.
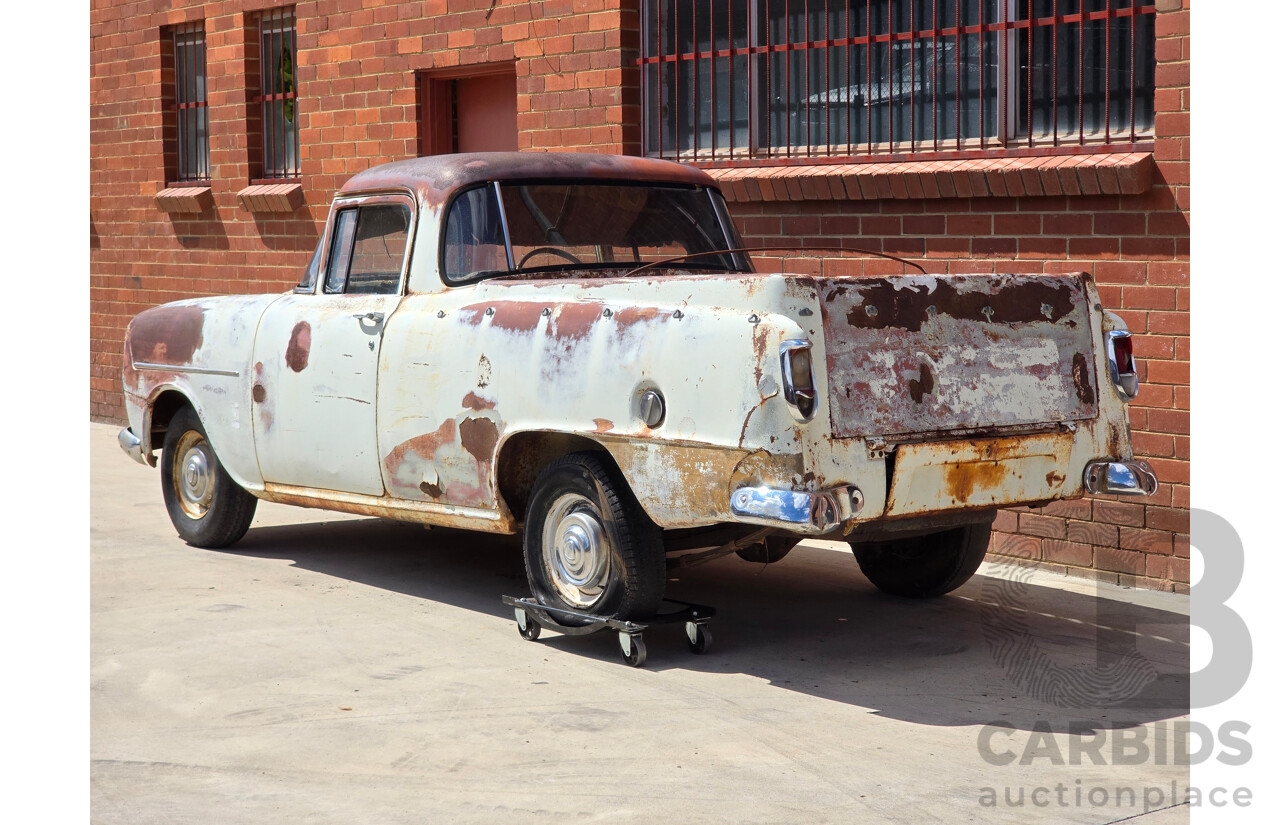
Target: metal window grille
[[726, 80], [278, 96], [191, 102]]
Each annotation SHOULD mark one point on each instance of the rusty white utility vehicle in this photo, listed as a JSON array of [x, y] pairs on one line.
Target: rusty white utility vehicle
[[577, 347]]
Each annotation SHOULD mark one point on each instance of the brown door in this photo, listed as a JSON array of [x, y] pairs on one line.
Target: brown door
[[487, 113]]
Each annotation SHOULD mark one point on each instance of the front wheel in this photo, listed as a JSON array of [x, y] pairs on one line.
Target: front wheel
[[922, 567], [205, 505], [588, 545]]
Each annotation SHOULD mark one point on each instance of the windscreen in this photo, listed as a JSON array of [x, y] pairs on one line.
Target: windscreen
[[585, 226]]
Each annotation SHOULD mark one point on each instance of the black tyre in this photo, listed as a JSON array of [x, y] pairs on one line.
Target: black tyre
[[205, 505], [771, 550], [922, 567], [588, 545]]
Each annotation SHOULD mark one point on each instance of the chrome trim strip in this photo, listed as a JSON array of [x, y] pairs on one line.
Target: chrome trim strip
[[506, 234], [797, 511], [132, 445], [1120, 478], [146, 365]]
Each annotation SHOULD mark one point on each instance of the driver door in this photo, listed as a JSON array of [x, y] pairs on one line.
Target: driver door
[[316, 353]]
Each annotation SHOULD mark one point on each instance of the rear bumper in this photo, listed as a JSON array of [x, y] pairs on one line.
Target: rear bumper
[[1120, 478], [797, 511], [132, 445]]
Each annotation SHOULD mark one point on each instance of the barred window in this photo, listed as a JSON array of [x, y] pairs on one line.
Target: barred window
[[190, 102], [278, 94], [747, 79]]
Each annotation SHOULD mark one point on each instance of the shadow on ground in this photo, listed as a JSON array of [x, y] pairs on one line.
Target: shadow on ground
[[995, 651]]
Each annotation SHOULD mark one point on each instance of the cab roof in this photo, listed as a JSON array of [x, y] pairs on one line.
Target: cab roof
[[436, 178]]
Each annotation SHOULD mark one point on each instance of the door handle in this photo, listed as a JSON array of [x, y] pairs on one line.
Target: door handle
[[373, 317]]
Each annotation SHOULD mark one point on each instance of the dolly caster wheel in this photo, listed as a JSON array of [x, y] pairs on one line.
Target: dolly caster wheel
[[699, 637], [529, 629], [633, 651]]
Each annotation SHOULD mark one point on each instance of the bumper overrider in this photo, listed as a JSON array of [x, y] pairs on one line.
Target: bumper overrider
[[799, 512], [132, 445]]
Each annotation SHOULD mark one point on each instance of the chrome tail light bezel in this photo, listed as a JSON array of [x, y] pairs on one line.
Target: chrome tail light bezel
[[1124, 377], [801, 396]]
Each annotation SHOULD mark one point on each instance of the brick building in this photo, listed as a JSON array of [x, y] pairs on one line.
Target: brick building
[[978, 135]]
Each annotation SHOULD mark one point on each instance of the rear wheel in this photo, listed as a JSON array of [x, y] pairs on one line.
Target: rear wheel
[[588, 545], [922, 567], [205, 505]]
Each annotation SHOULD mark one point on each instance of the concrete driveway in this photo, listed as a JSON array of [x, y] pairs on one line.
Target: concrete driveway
[[332, 669]]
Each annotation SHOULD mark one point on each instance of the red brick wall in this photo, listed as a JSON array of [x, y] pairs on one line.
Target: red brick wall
[[1138, 249], [357, 108], [577, 89]]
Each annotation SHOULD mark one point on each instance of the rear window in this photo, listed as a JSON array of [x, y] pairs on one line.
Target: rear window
[[545, 227]]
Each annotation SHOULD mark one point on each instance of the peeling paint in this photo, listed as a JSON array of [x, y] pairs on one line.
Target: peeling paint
[[479, 437], [471, 401], [299, 348]]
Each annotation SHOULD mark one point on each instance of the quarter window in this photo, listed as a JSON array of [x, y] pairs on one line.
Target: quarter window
[[735, 79]]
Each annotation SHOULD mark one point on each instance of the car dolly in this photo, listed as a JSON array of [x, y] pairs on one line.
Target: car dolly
[[531, 617]]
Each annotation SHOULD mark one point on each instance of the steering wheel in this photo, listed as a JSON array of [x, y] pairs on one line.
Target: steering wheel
[[550, 250]]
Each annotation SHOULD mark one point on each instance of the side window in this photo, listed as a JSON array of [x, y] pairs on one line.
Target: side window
[[382, 235], [368, 250], [473, 242]]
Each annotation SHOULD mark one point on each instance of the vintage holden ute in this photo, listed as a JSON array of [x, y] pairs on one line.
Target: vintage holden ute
[[576, 347]]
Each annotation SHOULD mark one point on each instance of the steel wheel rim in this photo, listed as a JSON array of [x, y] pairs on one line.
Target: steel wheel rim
[[193, 478], [576, 550]]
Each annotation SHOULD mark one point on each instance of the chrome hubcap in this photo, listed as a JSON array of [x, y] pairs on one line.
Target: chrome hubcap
[[577, 550], [193, 475]]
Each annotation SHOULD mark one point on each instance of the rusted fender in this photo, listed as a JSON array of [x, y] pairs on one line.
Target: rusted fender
[[200, 348]]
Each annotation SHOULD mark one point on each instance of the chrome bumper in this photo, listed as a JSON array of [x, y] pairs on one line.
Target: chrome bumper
[[132, 445], [1120, 478], [798, 512]]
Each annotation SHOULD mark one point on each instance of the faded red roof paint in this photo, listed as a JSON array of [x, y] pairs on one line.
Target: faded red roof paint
[[435, 178]]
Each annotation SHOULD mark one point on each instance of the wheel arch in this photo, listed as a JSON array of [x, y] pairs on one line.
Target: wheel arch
[[523, 455]]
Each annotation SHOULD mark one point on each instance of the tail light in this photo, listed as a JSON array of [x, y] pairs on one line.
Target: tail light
[[1120, 363], [797, 378]]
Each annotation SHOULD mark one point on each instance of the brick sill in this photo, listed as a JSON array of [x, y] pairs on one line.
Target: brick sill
[[184, 200], [1127, 173], [271, 197]]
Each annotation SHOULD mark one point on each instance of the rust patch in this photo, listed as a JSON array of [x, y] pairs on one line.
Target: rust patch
[[963, 479], [886, 305], [629, 316], [575, 321], [484, 371], [512, 316], [166, 335], [474, 402], [1080, 374], [922, 387], [424, 446], [259, 393], [479, 437], [603, 425], [1054, 478], [430, 489], [299, 348]]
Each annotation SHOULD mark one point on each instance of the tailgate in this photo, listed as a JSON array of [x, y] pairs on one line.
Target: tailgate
[[911, 357]]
